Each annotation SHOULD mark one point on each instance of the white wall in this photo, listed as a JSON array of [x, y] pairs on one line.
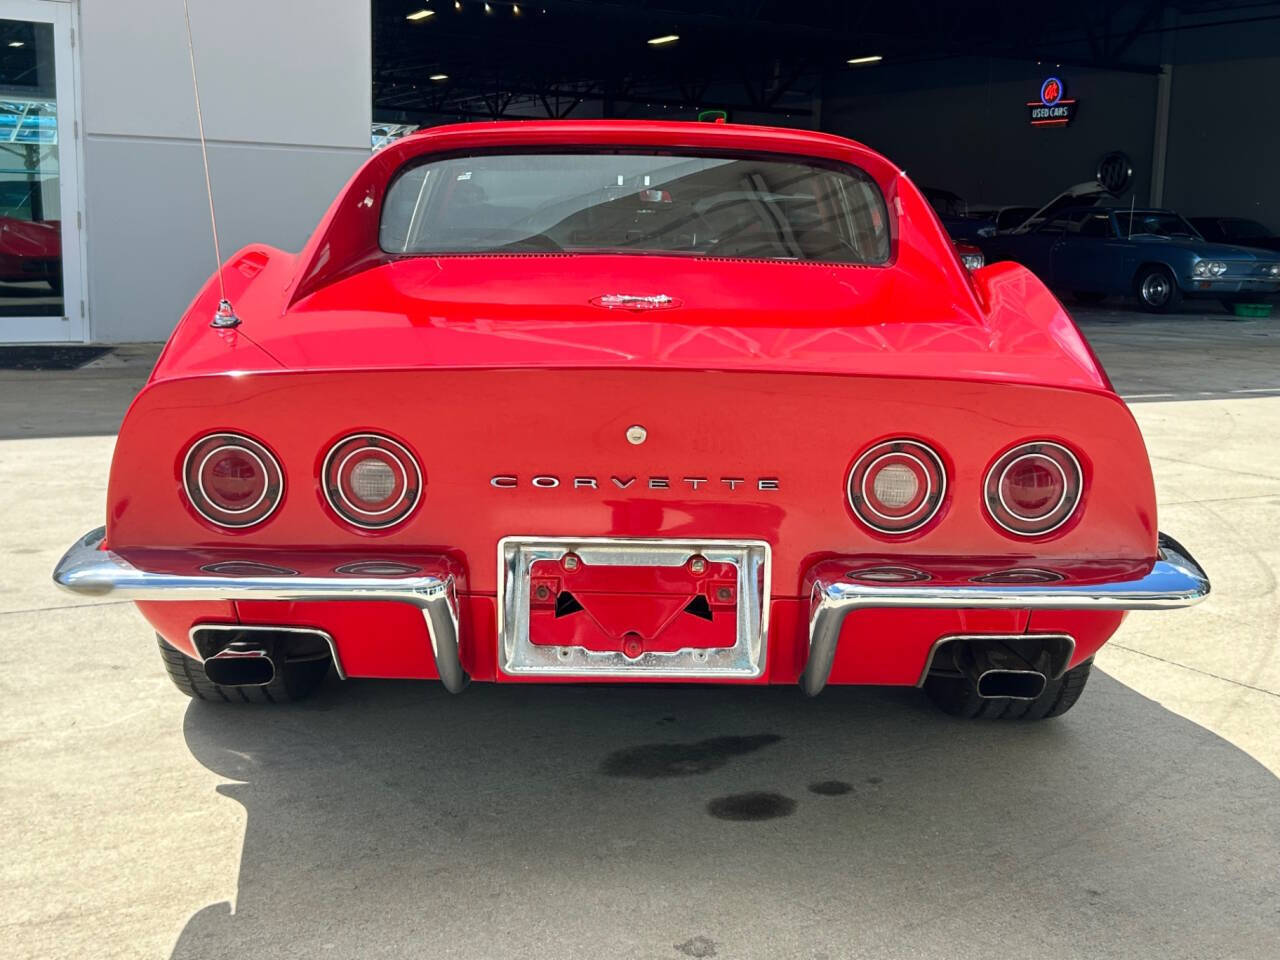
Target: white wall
[[285, 89]]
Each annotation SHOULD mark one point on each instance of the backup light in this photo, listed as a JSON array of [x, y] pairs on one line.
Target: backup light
[[371, 481], [896, 486]]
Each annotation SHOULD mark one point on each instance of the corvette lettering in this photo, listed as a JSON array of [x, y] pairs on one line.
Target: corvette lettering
[[544, 481]]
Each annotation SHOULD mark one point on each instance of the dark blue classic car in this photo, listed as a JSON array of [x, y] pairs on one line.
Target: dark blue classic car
[[1237, 230], [1156, 255]]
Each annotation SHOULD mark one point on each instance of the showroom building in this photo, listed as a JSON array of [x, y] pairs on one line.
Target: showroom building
[[104, 235]]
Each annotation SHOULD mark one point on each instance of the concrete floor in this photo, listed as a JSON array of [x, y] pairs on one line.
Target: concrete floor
[[387, 819]]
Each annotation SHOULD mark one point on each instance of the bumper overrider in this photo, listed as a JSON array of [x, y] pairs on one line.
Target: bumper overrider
[[90, 569], [1173, 580], [837, 587]]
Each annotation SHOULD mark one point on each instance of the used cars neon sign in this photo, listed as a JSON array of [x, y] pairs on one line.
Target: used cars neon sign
[[1054, 108]]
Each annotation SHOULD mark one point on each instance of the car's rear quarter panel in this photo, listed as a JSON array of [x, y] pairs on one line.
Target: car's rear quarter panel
[[467, 427]]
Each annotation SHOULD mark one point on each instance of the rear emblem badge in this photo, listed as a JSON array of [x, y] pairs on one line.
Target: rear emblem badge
[[635, 302], [637, 434]]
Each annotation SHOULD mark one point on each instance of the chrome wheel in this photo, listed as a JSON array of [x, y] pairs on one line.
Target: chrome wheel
[[1156, 289]]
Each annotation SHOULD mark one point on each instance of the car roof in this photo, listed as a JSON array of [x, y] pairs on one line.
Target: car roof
[[1224, 220], [1111, 208]]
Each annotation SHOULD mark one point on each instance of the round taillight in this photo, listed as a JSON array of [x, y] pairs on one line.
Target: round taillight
[[1034, 488], [897, 486], [371, 480], [232, 480]]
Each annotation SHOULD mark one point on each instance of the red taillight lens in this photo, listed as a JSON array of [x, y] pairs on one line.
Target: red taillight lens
[[232, 480], [897, 486], [1034, 488], [371, 480]]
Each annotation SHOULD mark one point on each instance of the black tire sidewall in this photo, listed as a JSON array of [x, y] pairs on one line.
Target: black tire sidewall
[[293, 681], [1170, 302]]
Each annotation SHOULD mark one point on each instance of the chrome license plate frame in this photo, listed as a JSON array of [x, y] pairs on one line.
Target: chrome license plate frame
[[745, 660]]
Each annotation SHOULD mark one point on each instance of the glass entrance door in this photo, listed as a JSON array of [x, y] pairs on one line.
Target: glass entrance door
[[40, 291]]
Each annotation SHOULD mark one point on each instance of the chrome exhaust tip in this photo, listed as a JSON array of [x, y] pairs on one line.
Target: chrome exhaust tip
[[1011, 684], [240, 664]]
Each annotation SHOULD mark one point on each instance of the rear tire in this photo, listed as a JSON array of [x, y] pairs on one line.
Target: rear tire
[[958, 697], [1156, 289], [293, 680]]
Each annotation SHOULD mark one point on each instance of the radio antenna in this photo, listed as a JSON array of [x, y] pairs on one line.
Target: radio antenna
[[224, 316]]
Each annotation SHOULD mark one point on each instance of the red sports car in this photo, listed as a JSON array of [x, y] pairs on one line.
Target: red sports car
[[631, 402], [31, 250]]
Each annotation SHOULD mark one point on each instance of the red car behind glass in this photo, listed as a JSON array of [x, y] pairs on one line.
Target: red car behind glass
[[31, 250], [631, 402]]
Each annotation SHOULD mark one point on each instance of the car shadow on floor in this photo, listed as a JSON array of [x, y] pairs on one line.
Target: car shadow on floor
[[388, 819]]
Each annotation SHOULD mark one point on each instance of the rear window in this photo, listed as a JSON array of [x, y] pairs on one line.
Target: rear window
[[707, 206]]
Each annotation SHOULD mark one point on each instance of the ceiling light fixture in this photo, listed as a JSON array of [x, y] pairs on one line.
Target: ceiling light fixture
[[515, 9], [439, 76], [872, 59], [420, 15], [664, 39], [17, 43]]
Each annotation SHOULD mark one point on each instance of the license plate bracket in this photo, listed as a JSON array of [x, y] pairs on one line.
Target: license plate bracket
[[733, 581]]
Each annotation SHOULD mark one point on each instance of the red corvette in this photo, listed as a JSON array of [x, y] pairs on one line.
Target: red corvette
[[631, 402]]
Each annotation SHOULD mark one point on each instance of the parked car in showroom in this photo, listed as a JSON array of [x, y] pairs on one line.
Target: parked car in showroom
[[987, 223], [31, 250], [631, 402], [1237, 230], [972, 257], [1155, 255]]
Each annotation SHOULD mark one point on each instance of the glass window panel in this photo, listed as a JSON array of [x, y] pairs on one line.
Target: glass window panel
[[606, 202], [30, 204]]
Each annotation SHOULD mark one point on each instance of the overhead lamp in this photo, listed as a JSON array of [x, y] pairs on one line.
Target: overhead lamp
[[515, 9], [17, 43], [876, 58], [438, 76], [664, 39], [457, 4], [488, 9], [420, 14]]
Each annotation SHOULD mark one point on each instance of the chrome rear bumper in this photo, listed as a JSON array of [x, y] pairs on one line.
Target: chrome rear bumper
[[87, 569], [1173, 580]]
